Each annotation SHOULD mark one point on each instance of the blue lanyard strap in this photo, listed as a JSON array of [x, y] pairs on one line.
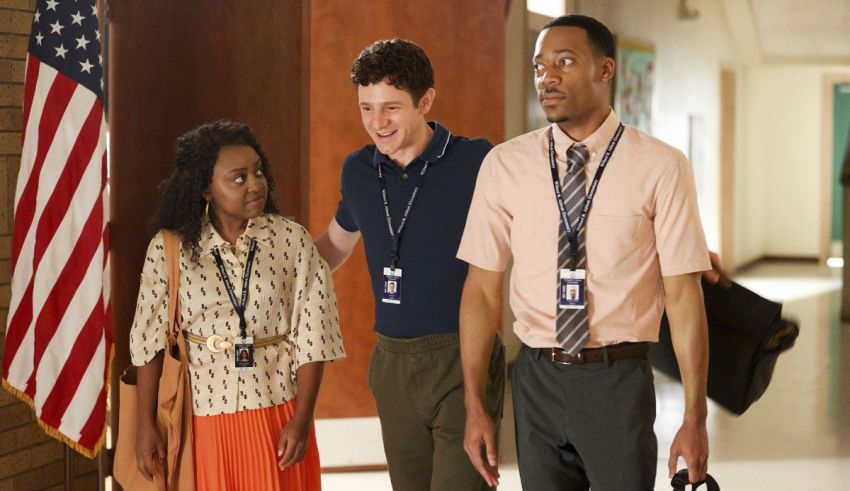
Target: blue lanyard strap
[[246, 279], [572, 233], [395, 235]]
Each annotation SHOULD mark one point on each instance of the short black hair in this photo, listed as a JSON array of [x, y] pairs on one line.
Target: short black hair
[[400, 62], [182, 208], [600, 38]]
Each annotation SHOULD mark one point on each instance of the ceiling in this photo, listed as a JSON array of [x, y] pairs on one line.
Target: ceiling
[[811, 31]]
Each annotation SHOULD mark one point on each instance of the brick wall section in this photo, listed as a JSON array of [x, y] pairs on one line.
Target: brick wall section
[[29, 459]]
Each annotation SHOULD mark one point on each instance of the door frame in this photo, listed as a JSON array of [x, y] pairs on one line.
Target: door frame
[[827, 101], [728, 109]]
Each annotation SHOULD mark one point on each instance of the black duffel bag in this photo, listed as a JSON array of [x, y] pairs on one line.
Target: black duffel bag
[[746, 334]]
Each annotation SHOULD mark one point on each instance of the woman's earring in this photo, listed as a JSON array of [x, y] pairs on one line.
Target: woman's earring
[[207, 209]]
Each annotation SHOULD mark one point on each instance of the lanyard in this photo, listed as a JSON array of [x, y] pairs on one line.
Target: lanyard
[[572, 234], [395, 235], [246, 278]]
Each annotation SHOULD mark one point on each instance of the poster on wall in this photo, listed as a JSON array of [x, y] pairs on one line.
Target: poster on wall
[[633, 84]]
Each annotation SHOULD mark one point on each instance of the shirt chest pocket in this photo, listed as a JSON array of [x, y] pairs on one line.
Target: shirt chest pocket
[[618, 245]]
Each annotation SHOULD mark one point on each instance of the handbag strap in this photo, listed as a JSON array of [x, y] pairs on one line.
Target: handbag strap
[[681, 480], [171, 244]]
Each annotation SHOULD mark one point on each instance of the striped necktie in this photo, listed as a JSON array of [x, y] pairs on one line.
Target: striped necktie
[[571, 324]]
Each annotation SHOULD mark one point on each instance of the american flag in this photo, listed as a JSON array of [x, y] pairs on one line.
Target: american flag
[[58, 347]]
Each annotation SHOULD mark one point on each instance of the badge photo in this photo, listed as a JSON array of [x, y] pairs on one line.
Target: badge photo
[[244, 354], [571, 289], [392, 286]]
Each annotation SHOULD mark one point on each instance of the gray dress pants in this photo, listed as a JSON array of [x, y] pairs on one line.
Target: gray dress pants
[[584, 426]]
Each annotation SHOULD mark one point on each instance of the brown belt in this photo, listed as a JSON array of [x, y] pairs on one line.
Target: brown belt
[[594, 355], [216, 343]]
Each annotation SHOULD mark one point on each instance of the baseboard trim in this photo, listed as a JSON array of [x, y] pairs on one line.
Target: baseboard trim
[[779, 259], [791, 259]]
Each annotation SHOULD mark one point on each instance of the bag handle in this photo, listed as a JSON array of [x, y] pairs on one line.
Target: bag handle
[[680, 480], [171, 244]]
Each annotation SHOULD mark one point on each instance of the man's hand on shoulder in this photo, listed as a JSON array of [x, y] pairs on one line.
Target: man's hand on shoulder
[[335, 244]]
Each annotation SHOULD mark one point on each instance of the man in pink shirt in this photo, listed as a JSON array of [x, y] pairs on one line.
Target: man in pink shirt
[[590, 206]]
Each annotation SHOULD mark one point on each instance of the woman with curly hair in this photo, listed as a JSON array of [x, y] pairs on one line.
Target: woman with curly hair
[[252, 283]]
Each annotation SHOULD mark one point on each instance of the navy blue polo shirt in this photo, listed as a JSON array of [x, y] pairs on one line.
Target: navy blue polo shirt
[[433, 277]]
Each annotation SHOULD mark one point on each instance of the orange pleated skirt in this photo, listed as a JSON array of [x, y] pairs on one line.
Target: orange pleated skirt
[[236, 452]]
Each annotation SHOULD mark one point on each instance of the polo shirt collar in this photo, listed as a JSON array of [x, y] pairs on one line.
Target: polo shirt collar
[[433, 152], [596, 143], [258, 228]]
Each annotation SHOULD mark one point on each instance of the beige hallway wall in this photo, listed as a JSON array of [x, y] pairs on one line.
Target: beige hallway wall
[[782, 166], [689, 55]]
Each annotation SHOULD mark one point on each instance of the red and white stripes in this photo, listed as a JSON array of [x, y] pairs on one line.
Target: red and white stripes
[[59, 336]]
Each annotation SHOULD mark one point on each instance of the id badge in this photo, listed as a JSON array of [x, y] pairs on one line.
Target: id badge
[[392, 286], [571, 293], [244, 354]]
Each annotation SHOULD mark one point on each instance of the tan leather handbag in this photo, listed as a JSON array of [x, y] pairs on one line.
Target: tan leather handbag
[[174, 402]]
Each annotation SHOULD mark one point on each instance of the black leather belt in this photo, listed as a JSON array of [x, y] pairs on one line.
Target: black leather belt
[[594, 355]]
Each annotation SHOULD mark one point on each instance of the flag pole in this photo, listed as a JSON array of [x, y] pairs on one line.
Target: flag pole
[[69, 469]]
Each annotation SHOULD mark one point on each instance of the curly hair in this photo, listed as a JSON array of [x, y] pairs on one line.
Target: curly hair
[[183, 205], [403, 64]]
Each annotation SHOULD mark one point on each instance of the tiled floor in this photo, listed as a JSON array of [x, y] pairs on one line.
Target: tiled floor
[[797, 437]]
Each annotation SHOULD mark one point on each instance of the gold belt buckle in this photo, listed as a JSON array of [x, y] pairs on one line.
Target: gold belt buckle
[[217, 344]]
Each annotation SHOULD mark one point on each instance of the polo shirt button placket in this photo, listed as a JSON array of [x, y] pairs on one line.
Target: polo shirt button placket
[[404, 175]]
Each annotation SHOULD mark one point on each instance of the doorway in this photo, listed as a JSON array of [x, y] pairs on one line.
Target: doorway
[[836, 129], [840, 133]]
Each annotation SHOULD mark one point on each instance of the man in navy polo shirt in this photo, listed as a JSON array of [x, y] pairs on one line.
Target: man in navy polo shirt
[[408, 195]]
